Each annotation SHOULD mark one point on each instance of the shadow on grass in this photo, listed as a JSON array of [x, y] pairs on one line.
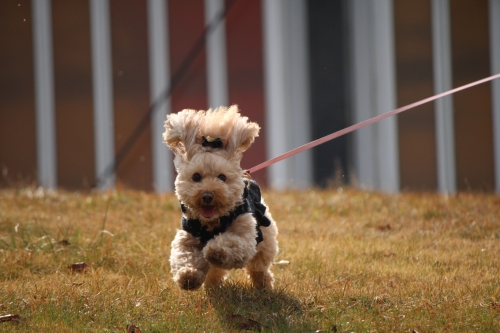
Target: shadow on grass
[[242, 307]]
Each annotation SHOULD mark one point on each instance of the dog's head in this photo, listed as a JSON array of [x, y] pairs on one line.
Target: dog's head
[[209, 186], [222, 131], [208, 147]]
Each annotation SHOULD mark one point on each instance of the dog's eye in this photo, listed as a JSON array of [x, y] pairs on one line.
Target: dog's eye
[[222, 177], [196, 178]]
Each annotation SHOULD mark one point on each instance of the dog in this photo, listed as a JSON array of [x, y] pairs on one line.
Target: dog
[[225, 222]]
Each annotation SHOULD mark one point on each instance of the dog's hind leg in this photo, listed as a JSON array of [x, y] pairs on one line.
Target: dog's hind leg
[[187, 264], [259, 270], [259, 267], [215, 277]]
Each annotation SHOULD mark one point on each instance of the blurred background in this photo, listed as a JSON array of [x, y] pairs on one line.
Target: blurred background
[[78, 77]]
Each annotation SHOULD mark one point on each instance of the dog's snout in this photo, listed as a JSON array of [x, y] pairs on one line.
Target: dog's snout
[[207, 197]]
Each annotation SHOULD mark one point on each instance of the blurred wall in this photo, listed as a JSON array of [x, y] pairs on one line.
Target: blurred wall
[[331, 100]]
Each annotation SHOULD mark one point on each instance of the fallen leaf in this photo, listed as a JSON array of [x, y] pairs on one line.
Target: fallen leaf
[[131, 328], [64, 242], [78, 267], [386, 227], [11, 317], [243, 323]]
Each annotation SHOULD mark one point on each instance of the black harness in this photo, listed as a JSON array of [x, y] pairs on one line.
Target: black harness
[[251, 204]]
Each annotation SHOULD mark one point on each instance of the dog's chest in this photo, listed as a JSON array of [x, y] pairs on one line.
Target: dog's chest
[[251, 205]]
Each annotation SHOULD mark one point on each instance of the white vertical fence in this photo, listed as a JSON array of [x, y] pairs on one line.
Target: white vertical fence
[[275, 88], [445, 137], [384, 90], [494, 10], [286, 92], [374, 92], [298, 94], [159, 74], [44, 93], [216, 57], [102, 80]]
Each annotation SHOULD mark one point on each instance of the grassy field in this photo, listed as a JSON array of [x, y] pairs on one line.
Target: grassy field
[[358, 262]]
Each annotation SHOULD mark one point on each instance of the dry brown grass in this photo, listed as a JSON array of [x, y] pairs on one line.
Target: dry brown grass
[[359, 261]]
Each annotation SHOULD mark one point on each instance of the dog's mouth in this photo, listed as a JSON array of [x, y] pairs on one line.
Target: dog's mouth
[[207, 211]]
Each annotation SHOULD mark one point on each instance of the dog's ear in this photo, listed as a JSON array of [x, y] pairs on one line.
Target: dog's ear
[[223, 129], [180, 131], [243, 133]]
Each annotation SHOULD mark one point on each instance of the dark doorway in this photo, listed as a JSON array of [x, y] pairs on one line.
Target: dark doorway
[[328, 66]]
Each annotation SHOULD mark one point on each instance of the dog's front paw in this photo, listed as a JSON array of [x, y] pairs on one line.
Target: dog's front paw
[[216, 257], [189, 279], [222, 258]]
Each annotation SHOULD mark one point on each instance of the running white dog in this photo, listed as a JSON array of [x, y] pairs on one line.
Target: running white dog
[[225, 223]]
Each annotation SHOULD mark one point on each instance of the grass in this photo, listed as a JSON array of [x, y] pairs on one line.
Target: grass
[[358, 262]]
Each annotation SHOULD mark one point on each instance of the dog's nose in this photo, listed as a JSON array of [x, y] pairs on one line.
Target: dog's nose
[[207, 197]]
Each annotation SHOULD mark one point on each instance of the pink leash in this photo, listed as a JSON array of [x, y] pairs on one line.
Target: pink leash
[[366, 123]]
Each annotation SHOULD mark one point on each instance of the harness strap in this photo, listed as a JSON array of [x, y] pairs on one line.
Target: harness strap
[[251, 204]]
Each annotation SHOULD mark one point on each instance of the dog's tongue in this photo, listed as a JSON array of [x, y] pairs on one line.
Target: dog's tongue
[[207, 211]]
